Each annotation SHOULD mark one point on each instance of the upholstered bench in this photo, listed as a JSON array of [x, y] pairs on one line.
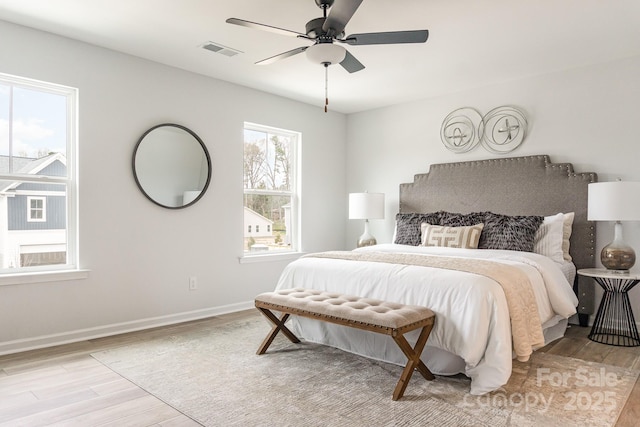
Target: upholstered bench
[[363, 313]]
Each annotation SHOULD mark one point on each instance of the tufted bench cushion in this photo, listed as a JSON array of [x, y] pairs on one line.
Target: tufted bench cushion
[[351, 308], [363, 313]]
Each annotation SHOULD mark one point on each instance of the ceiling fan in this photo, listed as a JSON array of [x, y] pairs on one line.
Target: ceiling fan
[[328, 30]]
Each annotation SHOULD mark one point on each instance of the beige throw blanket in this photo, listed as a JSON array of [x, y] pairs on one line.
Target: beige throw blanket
[[526, 328]]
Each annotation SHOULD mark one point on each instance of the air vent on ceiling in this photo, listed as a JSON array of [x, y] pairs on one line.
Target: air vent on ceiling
[[218, 48]]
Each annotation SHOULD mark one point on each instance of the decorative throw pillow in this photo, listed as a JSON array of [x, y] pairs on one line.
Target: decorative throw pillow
[[548, 239], [408, 226], [515, 233], [451, 237], [453, 219], [566, 234]]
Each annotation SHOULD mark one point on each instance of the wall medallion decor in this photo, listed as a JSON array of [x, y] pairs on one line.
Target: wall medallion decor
[[500, 131], [459, 131], [504, 129]]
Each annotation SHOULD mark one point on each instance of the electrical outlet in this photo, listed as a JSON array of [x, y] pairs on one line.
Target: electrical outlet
[[193, 283]]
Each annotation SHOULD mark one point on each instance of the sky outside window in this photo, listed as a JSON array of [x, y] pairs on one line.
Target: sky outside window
[[39, 122]]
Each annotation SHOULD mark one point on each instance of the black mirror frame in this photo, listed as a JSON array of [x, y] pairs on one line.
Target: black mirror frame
[[204, 149]]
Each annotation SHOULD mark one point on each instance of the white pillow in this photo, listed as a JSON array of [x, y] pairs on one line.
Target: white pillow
[[566, 234], [451, 237], [549, 238]]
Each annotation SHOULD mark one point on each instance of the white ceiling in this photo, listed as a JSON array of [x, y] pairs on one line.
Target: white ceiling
[[472, 43]]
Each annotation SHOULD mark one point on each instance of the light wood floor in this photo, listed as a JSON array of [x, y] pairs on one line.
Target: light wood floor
[[65, 386]]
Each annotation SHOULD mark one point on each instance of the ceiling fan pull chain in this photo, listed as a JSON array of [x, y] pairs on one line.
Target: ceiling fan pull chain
[[326, 86]]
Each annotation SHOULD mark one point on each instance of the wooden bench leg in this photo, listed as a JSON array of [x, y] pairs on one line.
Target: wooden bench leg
[[278, 325], [414, 362]]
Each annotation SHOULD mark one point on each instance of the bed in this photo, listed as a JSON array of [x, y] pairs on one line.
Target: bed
[[502, 301]]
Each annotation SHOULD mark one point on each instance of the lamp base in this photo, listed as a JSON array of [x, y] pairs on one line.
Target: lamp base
[[366, 239], [617, 255], [617, 258]]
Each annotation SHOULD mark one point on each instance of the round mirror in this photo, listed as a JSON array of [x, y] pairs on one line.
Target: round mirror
[[171, 166]]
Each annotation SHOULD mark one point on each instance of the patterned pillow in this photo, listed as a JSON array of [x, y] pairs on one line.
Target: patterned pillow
[[453, 219], [451, 237], [515, 233], [408, 226]]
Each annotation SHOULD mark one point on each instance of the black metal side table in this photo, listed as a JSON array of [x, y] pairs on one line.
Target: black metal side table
[[614, 323]]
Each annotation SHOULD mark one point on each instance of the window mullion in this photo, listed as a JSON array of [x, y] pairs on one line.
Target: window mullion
[[267, 192], [10, 128]]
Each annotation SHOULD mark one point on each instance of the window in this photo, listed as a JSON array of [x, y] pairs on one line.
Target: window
[[271, 189], [37, 206], [38, 230]]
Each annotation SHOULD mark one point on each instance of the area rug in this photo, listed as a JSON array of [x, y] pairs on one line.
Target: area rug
[[213, 376]]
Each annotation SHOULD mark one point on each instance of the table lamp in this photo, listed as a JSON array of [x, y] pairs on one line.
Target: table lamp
[[366, 206], [615, 201]]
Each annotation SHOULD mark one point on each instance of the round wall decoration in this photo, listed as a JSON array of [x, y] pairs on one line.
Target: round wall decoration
[[503, 129], [460, 130]]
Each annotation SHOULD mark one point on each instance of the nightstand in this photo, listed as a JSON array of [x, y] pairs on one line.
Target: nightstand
[[614, 323]]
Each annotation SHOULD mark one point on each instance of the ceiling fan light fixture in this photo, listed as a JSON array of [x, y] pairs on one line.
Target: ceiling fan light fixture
[[326, 53]]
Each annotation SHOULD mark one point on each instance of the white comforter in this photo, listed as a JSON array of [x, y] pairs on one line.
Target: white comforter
[[472, 317]]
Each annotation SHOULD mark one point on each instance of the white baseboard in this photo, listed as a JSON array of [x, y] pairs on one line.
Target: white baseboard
[[573, 320], [17, 346]]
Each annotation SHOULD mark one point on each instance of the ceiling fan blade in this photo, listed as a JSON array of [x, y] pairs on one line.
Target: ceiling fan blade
[[351, 64], [339, 15], [392, 37], [264, 27], [283, 55]]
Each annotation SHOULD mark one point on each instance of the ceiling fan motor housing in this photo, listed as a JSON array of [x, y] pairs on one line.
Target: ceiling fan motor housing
[[324, 4], [314, 30]]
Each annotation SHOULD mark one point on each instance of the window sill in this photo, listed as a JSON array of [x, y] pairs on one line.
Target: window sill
[[42, 277], [289, 256]]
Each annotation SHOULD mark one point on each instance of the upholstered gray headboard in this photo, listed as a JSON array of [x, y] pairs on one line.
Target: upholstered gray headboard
[[530, 185]]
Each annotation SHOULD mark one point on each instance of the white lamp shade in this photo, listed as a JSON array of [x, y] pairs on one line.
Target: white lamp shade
[[326, 53], [366, 206], [614, 201]]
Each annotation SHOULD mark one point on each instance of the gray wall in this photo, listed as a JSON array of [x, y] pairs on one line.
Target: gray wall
[[140, 256], [586, 116]]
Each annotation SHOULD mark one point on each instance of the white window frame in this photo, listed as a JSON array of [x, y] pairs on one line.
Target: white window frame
[[296, 235], [31, 210], [70, 270]]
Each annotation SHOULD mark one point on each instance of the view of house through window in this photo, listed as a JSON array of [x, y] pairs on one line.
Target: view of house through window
[[37, 183], [270, 189], [36, 208]]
